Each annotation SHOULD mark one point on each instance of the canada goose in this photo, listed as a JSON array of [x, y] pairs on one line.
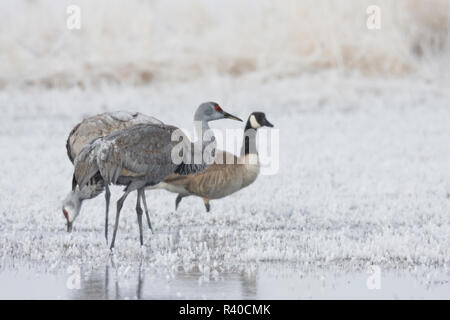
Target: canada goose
[[142, 156], [221, 179]]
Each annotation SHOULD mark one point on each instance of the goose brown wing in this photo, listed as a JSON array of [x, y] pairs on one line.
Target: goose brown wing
[[215, 176]]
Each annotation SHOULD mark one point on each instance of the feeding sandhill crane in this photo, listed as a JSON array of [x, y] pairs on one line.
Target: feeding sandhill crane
[[221, 179], [144, 155], [85, 132]]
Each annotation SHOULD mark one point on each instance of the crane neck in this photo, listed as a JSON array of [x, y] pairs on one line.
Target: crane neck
[[201, 127], [79, 195], [205, 144]]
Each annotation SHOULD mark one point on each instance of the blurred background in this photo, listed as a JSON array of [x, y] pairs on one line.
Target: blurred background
[[144, 41]]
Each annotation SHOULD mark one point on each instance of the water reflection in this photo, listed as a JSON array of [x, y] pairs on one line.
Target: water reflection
[[112, 282], [249, 285], [262, 281], [275, 282], [130, 282]]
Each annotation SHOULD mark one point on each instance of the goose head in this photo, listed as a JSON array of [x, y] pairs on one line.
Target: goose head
[[257, 120]]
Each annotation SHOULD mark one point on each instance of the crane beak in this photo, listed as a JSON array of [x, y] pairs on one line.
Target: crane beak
[[69, 226], [230, 116]]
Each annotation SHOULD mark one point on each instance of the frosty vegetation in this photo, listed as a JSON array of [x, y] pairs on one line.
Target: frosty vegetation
[[146, 41], [364, 178]]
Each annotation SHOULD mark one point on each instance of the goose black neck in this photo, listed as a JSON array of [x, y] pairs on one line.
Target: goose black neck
[[248, 125], [249, 143]]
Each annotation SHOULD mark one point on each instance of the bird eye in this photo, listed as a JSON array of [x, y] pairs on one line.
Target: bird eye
[[217, 108]]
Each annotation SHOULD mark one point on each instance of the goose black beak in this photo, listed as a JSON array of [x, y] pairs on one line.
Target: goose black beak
[[267, 123], [230, 116]]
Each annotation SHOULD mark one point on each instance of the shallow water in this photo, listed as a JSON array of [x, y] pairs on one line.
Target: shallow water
[[266, 282]]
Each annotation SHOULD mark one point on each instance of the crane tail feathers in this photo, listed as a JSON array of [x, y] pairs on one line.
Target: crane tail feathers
[[85, 167], [110, 173], [116, 174]]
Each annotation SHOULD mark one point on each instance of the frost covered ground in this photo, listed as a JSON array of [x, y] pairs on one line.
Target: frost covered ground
[[364, 179]]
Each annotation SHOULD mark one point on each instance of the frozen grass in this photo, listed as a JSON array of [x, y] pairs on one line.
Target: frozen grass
[[144, 41], [364, 178]]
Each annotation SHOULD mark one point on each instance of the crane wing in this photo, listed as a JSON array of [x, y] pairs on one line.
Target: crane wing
[[143, 150], [102, 125]]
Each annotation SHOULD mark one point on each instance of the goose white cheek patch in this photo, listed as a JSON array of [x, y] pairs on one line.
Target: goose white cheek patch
[[254, 123]]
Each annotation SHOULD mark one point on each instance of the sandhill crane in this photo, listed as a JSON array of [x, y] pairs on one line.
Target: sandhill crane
[[221, 179], [85, 132], [143, 155]]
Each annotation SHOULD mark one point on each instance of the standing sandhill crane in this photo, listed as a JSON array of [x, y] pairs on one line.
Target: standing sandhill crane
[[144, 155], [85, 132], [221, 178]]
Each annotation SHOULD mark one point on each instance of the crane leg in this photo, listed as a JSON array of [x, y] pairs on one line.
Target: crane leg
[[177, 201], [207, 205], [116, 224], [107, 199], [139, 215], [144, 201]]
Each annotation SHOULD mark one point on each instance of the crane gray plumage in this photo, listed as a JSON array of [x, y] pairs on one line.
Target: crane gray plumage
[[85, 132], [141, 156], [101, 125], [222, 178], [142, 151]]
